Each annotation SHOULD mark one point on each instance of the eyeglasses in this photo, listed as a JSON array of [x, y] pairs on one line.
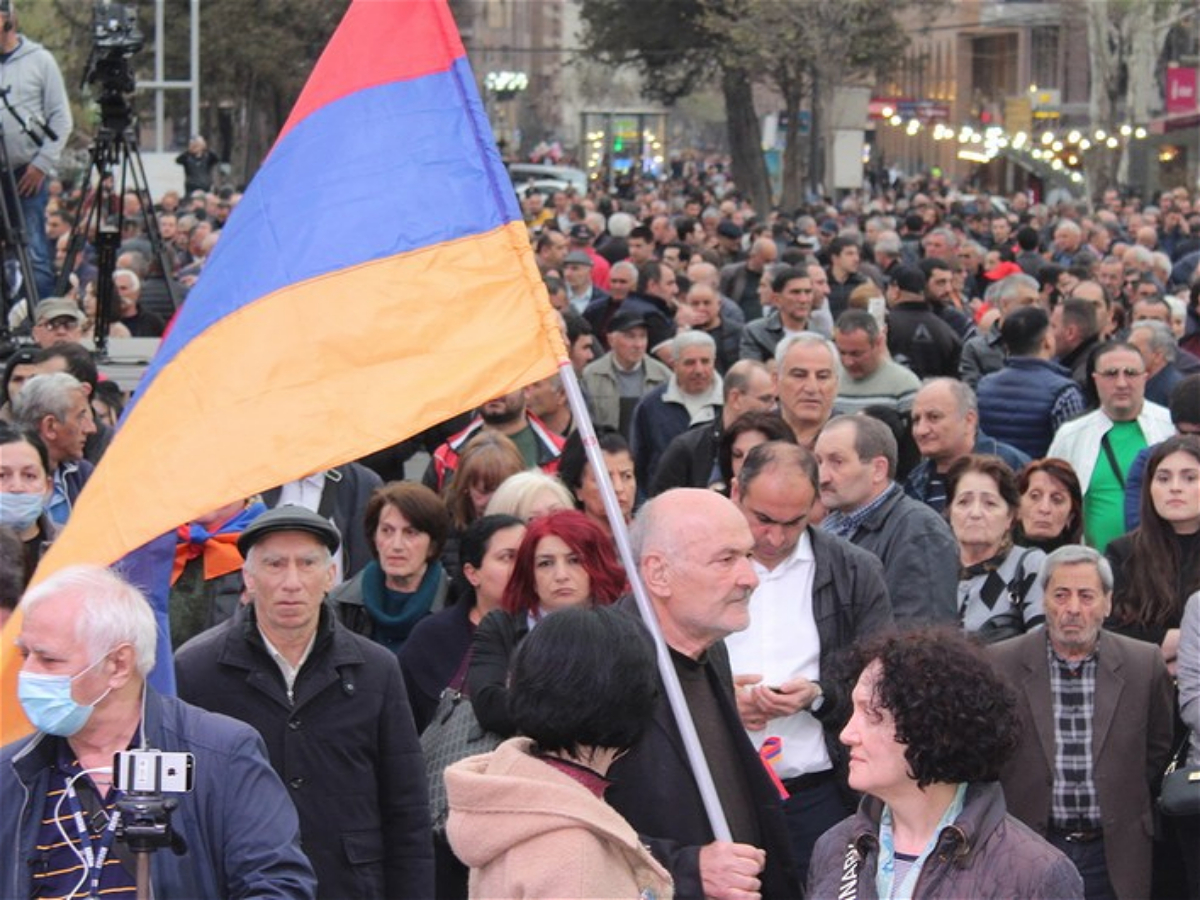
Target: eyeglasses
[[62, 323], [1111, 374]]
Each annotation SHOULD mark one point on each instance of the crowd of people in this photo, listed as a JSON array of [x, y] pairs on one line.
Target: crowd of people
[[913, 487]]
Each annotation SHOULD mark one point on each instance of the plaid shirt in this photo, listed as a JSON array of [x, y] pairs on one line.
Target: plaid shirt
[[845, 524], [1074, 805]]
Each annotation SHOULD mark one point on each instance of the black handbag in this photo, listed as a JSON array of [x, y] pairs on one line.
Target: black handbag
[[452, 734], [1180, 794]]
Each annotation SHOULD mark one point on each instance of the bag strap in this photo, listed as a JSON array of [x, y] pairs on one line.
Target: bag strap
[[848, 888], [1179, 757], [1106, 446], [459, 681]]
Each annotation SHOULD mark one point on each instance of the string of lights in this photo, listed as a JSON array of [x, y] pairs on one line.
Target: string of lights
[[1061, 149]]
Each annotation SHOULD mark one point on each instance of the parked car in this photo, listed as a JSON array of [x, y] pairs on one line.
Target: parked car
[[542, 176]]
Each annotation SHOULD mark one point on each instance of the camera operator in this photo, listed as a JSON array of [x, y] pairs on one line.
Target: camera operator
[[30, 73], [88, 639]]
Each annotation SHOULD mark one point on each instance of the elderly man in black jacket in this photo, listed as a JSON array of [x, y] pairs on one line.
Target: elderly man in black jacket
[[692, 547], [331, 707]]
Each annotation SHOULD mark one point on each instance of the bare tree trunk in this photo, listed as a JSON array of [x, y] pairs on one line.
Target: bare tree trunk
[[793, 153], [1104, 53], [816, 125], [745, 139], [1147, 25]]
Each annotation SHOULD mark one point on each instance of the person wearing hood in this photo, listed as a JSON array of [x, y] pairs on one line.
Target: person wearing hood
[[530, 818], [35, 140]]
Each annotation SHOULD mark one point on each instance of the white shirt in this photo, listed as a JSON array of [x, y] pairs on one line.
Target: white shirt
[[780, 644], [307, 492], [286, 669]]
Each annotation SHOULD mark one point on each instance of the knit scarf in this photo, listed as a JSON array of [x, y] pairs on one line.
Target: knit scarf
[[394, 613]]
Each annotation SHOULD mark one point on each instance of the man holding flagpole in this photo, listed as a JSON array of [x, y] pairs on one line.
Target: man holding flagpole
[[693, 550]]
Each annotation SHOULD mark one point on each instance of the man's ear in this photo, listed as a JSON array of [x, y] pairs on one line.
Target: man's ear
[[124, 666], [879, 470], [655, 574], [48, 427]]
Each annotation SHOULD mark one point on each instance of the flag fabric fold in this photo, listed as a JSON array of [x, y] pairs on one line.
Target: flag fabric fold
[[375, 280]]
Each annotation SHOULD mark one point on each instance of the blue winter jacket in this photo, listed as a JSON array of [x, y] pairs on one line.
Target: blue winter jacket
[[1016, 403], [239, 826]]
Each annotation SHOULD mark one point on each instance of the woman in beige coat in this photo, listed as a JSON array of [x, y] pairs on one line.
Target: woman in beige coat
[[530, 819]]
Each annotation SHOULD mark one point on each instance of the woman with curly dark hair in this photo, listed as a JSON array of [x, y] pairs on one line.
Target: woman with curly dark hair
[[932, 726]]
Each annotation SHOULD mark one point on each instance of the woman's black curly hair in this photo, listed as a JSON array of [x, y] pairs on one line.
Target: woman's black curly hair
[[953, 712]]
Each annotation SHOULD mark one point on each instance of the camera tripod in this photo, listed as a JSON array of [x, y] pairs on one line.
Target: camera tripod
[[14, 237], [145, 826], [114, 168]]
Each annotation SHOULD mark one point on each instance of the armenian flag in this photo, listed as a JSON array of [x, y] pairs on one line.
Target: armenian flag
[[375, 279]]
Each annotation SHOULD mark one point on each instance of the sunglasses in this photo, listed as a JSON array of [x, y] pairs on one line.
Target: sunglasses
[[1129, 373]]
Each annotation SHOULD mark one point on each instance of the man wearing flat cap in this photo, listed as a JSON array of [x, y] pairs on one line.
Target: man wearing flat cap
[[581, 237], [577, 273], [331, 707]]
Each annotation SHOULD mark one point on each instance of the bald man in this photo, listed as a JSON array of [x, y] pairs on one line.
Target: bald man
[[693, 548]]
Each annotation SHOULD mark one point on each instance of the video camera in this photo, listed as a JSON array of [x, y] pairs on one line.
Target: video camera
[[114, 27], [115, 38]]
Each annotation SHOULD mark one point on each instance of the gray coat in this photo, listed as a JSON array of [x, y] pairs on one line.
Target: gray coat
[[919, 556], [760, 337], [981, 355], [849, 601], [600, 381], [984, 853]]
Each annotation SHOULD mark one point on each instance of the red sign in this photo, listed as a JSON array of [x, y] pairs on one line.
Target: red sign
[[1181, 90]]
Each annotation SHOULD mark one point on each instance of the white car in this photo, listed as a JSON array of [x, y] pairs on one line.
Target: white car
[[541, 176]]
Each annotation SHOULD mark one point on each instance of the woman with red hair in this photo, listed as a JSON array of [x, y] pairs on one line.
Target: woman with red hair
[[564, 560]]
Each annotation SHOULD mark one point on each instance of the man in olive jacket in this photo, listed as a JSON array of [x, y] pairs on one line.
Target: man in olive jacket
[[331, 707]]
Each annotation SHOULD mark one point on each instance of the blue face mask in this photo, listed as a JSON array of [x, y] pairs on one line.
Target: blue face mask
[[48, 703], [20, 511]]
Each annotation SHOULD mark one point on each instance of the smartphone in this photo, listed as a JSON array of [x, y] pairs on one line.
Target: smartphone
[[153, 771]]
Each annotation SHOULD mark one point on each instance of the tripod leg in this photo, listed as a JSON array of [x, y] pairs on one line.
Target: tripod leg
[[33, 211], [16, 240], [141, 187]]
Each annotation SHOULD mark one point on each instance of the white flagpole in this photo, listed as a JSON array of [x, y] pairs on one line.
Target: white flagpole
[[666, 668]]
